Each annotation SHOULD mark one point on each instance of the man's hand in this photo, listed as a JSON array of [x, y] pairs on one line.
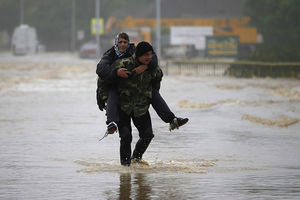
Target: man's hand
[[140, 69], [123, 73]]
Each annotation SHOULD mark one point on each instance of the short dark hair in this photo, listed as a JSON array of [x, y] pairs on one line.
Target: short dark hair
[[142, 48], [124, 36]]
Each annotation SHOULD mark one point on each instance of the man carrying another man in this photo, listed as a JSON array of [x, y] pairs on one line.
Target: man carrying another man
[[134, 98], [135, 94]]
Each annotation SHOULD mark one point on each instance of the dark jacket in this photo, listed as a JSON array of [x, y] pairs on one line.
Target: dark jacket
[[107, 75], [135, 91], [104, 69]]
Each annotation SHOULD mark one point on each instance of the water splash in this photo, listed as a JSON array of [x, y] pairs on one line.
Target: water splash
[[283, 121], [156, 166]]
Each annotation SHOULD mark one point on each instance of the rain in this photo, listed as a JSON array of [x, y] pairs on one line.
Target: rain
[[231, 67]]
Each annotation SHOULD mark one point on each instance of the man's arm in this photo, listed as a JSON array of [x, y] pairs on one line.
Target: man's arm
[[119, 68], [123, 72], [152, 65], [140, 69], [154, 62], [104, 68]]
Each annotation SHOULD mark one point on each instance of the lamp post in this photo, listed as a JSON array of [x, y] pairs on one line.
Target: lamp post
[[97, 11], [73, 26], [21, 12], [158, 34]]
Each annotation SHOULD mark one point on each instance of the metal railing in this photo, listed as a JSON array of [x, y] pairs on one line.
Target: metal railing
[[195, 69], [237, 69]]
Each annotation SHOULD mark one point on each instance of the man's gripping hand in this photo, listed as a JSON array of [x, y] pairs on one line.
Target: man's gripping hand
[[140, 69], [123, 73]]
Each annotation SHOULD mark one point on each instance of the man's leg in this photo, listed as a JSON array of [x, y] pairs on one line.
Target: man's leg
[[164, 112], [161, 107], [125, 133], [144, 126], [112, 111]]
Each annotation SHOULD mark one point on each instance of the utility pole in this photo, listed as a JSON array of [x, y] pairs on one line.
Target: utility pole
[[97, 11], [21, 12], [158, 34], [73, 26]]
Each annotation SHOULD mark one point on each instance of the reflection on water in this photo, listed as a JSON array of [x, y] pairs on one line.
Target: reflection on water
[[242, 140], [252, 186], [125, 186], [143, 186], [134, 186]]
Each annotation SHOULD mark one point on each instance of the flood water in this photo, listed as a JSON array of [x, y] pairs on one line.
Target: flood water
[[242, 140]]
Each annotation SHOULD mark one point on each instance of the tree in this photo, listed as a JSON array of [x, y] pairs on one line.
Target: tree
[[52, 19], [278, 22], [9, 14]]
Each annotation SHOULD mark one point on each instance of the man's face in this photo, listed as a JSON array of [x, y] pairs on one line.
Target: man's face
[[146, 58], [122, 44]]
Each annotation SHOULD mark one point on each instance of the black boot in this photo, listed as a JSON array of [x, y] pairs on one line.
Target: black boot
[[111, 128], [177, 122], [126, 162], [125, 154], [140, 148]]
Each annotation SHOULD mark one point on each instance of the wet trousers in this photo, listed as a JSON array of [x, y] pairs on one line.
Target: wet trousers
[[158, 103], [144, 127], [112, 110]]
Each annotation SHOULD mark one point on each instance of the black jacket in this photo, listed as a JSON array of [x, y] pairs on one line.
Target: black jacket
[[108, 73], [104, 69]]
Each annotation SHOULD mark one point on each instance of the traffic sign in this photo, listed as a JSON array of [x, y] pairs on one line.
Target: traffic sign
[[97, 26]]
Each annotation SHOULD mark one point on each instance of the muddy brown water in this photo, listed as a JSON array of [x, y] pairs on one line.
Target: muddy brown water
[[50, 126]]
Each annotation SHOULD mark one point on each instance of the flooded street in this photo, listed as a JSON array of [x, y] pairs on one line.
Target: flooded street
[[242, 140]]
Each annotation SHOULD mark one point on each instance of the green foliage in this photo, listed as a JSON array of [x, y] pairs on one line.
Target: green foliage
[[52, 19], [278, 22], [9, 14]]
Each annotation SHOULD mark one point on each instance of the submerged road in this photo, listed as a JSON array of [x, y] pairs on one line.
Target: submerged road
[[242, 140]]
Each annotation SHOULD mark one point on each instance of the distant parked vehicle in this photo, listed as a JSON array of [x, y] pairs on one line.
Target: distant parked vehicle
[[24, 40], [88, 50], [179, 51]]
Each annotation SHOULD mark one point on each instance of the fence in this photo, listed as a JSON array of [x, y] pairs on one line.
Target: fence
[[237, 69], [259, 69], [205, 69]]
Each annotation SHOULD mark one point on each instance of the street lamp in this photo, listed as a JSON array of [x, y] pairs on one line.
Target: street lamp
[[21, 12], [73, 26], [97, 11], [158, 34]]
